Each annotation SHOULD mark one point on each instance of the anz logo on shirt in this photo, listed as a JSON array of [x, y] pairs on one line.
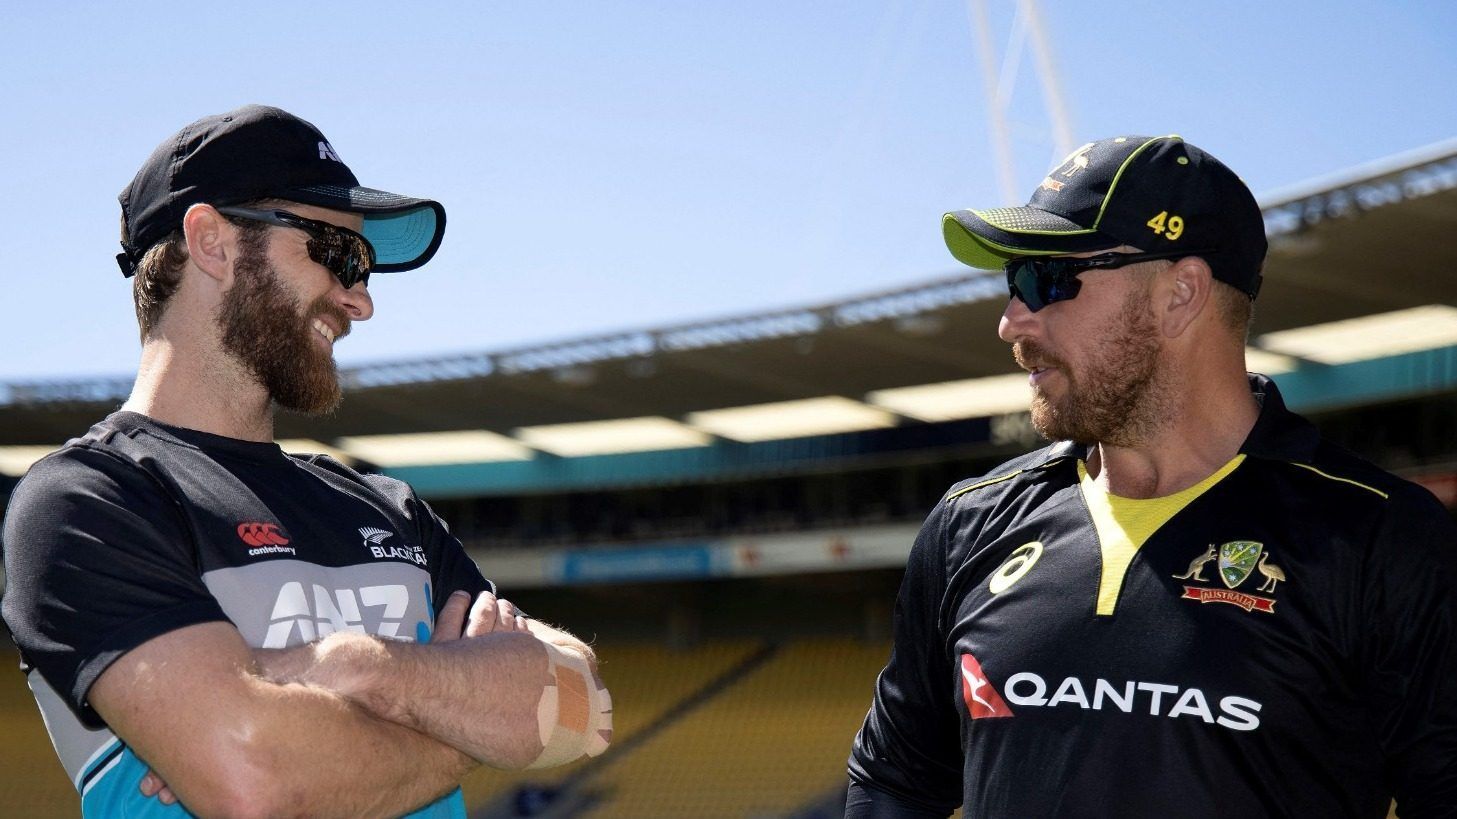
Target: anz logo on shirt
[[302, 614], [374, 541]]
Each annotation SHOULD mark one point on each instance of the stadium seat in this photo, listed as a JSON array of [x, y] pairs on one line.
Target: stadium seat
[[646, 681], [30, 774], [769, 744]]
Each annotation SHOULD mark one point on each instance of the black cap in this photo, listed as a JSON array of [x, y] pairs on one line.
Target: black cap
[[258, 152], [1153, 193]]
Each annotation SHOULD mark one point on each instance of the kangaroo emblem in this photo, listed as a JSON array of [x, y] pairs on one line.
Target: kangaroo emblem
[[1196, 566]]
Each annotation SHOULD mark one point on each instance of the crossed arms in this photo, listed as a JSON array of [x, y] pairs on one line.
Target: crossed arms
[[350, 725]]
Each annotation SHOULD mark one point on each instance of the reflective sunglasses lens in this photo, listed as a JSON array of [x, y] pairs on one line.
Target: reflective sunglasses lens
[[360, 259], [1023, 281], [1062, 283], [1040, 281], [1024, 286], [347, 257]]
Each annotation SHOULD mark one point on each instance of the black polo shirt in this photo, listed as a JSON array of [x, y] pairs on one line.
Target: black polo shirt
[[1284, 644]]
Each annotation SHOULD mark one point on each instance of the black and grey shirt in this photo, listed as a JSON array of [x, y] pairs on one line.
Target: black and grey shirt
[[1280, 640], [138, 529]]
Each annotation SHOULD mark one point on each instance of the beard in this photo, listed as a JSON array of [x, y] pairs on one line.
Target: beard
[[1120, 397], [266, 329]]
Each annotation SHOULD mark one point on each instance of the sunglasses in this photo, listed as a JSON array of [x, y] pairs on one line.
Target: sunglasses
[[1041, 280], [346, 254]]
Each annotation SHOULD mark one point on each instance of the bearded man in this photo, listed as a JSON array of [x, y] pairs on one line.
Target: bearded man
[[1055, 652], [202, 617]]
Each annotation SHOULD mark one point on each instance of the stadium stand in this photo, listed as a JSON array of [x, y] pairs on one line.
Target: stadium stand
[[766, 746], [30, 776], [764, 739], [662, 490], [649, 682]]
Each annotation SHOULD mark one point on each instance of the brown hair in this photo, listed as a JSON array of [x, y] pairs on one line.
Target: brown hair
[[159, 273]]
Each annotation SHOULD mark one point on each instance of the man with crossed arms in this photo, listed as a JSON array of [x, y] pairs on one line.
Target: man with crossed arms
[[212, 626]]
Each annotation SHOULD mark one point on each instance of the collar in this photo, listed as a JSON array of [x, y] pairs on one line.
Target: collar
[[1278, 433], [129, 423]]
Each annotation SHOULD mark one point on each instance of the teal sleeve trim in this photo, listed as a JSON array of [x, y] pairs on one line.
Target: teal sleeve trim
[[114, 792]]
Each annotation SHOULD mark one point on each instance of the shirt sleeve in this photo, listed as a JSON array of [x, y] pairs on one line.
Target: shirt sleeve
[[453, 569], [97, 562], [1410, 608], [906, 760]]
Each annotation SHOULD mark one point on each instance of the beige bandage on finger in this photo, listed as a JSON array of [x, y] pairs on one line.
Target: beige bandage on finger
[[575, 713]]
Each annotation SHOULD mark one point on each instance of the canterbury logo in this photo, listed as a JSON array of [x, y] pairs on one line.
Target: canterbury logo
[[261, 534]]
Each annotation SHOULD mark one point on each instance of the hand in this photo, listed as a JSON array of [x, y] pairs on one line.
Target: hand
[[487, 616], [490, 615], [152, 785]]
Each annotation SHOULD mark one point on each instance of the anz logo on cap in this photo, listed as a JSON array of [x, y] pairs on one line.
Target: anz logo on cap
[[326, 151]]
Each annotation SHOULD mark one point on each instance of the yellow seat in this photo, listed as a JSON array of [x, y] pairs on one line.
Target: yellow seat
[[769, 744], [32, 781]]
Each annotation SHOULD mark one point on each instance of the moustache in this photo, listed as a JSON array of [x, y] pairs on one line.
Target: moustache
[[326, 308], [1029, 354]]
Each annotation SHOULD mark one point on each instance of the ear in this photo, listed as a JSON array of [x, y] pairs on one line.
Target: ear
[[211, 242], [1189, 282]]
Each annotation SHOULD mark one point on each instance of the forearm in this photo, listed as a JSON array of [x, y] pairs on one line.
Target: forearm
[[327, 756], [479, 695], [226, 741]]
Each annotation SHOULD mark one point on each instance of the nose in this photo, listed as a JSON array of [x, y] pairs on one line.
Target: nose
[[1017, 321], [356, 301]]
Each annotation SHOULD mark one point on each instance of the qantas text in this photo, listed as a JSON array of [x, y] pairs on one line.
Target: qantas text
[[1160, 699]]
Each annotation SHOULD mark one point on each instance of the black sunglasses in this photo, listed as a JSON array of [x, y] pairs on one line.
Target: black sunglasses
[[343, 252], [1041, 280]]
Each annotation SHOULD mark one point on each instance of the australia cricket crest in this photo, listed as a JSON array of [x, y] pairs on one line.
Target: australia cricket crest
[[1237, 560]]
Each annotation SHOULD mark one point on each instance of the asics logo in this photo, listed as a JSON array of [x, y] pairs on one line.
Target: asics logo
[[1018, 563], [261, 534]]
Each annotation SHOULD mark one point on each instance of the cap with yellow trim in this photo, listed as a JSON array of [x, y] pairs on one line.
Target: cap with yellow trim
[[1154, 193]]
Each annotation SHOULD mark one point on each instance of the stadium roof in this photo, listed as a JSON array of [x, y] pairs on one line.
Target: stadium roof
[[1374, 239]]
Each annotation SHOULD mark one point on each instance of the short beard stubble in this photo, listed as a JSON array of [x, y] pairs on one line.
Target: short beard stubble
[[1122, 395]]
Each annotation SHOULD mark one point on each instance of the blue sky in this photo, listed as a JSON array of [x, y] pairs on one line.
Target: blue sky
[[617, 165]]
